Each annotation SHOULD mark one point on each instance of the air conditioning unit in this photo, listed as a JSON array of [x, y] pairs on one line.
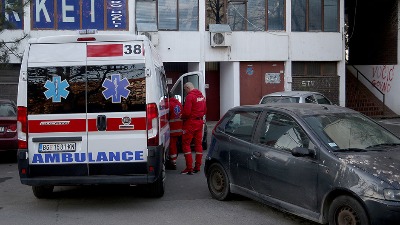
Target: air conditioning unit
[[151, 35], [220, 39], [220, 35]]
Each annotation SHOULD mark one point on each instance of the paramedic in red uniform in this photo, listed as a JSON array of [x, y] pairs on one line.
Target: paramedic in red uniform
[[175, 124], [194, 110]]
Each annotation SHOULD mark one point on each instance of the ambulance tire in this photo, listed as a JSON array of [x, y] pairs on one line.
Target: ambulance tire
[[157, 189], [42, 191]]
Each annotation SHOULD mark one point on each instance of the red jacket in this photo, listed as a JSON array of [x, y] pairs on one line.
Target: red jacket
[[175, 113], [195, 106]]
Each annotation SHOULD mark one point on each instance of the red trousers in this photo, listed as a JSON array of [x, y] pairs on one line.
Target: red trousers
[[192, 130], [173, 149]]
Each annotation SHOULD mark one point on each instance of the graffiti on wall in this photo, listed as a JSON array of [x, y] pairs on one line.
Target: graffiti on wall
[[382, 77]]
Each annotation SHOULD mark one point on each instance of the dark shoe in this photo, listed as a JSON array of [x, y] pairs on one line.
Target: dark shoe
[[170, 166], [187, 171], [196, 170]]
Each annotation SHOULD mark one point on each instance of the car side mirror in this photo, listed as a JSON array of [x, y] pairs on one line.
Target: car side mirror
[[301, 152]]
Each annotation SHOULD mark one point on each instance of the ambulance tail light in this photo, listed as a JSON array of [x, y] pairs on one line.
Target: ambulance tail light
[[152, 125], [22, 127]]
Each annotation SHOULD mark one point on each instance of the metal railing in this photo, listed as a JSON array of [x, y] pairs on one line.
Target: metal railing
[[383, 94]]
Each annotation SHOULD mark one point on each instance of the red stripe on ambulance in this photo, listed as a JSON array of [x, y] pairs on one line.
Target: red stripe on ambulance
[[50, 126], [105, 50], [113, 124], [79, 125]]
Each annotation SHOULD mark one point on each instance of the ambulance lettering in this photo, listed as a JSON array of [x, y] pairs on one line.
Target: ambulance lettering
[[68, 157]]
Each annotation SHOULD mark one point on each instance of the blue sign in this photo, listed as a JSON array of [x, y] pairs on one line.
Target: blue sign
[[69, 15], [14, 18], [89, 16]]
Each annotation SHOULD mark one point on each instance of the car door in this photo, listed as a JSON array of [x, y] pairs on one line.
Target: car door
[[274, 171], [240, 129], [116, 108]]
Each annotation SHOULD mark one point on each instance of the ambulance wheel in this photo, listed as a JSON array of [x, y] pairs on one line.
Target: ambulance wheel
[[42, 191]]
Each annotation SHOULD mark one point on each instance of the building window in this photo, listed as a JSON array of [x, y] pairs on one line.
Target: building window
[[247, 15], [314, 68], [180, 15], [146, 11], [315, 15]]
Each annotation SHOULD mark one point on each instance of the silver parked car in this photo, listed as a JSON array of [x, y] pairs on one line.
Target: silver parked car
[[296, 97]]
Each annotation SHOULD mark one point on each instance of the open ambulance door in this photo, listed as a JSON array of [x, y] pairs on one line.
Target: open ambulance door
[[198, 80]]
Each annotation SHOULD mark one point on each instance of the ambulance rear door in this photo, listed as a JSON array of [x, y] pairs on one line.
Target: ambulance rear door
[[116, 108], [56, 108]]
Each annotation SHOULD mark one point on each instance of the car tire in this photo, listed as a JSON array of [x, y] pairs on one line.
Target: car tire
[[218, 182], [42, 191], [346, 210], [157, 189]]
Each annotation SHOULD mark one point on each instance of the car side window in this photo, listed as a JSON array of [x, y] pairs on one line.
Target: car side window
[[310, 99], [322, 100], [241, 125], [282, 132], [7, 110]]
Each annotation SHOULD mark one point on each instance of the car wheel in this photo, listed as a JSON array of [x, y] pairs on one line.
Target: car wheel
[[42, 191], [346, 210], [157, 189], [218, 182]]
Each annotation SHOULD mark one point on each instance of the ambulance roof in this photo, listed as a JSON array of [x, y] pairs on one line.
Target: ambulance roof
[[98, 38]]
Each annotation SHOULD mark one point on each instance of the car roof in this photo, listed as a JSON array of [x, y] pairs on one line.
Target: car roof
[[301, 109], [6, 101], [292, 93]]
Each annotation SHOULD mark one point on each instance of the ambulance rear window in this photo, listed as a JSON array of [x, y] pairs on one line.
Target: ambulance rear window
[[86, 89]]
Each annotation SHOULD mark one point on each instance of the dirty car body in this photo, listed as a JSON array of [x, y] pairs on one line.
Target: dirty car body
[[325, 163]]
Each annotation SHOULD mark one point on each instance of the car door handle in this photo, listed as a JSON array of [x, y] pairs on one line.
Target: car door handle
[[101, 122], [257, 154]]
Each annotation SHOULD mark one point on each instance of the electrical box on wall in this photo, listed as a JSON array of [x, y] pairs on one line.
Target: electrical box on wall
[[220, 35]]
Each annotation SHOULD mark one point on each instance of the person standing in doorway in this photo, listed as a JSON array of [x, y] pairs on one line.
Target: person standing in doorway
[[175, 124], [194, 110]]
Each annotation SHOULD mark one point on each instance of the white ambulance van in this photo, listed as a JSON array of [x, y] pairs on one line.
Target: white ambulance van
[[92, 110]]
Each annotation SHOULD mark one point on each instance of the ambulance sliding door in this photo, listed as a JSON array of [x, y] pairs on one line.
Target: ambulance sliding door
[[116, 106], [56, 104]]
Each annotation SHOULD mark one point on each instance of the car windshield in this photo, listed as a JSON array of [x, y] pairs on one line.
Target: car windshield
[[280, 99], [7, 110], [353, 132]]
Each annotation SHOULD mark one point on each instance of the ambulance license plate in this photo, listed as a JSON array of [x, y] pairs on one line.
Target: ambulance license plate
[[59, 147]]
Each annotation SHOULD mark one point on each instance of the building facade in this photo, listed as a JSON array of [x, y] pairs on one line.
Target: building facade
[[245, 48], [376, 57]]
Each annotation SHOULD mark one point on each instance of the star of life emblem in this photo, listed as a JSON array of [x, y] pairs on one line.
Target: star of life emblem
[[56, 89]]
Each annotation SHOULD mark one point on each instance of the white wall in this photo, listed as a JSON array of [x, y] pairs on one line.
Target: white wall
[[229, 86]]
